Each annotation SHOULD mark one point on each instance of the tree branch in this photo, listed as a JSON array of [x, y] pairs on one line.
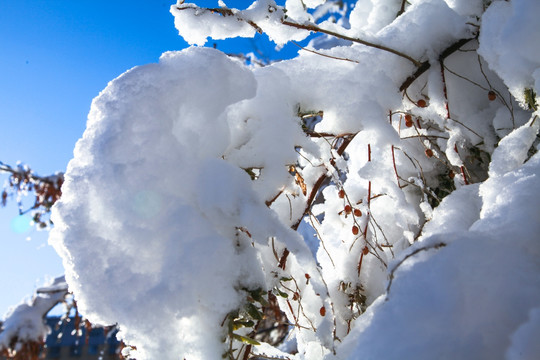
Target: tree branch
[[319, 182], [315, 28], [51, 179], [423, 67], [223, 12], [308, 27]]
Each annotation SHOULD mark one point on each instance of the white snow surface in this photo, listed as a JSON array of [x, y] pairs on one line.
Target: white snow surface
[[509, 42], [186, 186], [25, 322]]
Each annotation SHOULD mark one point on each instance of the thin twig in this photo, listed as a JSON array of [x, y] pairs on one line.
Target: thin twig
[[315, 28], [508, 106], [223, 12], [308, 27], [311, 216], [465, 78], [416, 251], [402, 8], [51, 179], [425, 136], [388, 245], [325, 55], [319, 182]]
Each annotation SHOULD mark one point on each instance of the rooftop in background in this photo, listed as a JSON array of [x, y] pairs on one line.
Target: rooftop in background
[[65, 342]]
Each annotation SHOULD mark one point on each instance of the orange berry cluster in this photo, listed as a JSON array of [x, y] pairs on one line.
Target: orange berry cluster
[[348, 209]]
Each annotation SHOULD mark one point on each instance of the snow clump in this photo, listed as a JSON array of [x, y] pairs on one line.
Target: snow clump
[[412, 174]]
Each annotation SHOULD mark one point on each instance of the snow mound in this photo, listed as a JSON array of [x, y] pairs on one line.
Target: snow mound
[[413, 177]]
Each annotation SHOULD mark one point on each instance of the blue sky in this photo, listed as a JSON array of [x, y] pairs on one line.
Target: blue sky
[[56, 56]]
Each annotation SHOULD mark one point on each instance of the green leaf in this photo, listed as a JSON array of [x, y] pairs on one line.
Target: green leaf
[[240, 324], [257, 295], [282, 294], [251, 173], [245, 339], [254, 312]]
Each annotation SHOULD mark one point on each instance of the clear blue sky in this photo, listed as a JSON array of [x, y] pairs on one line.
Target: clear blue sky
[[55, 57]]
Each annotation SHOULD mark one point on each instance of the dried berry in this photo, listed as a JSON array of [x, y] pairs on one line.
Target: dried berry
[[348, 209], [322, 311], [491, 95], [341, 194], [355, 230], [408, 121], [421, 103], [451, 174], [4, 198], [429, 153], [365, 250], [357, 212]]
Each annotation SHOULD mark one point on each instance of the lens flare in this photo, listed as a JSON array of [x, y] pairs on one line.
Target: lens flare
[[21, 224]]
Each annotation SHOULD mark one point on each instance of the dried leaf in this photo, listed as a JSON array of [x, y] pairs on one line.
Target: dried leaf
[[301, 183]]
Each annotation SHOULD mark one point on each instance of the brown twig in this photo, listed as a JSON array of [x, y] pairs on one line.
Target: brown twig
[[315, 28], [325, 55], [416, 251], [308, 27], [402, 8], [221, 11], [445, 90], [320, 181], [283, 259], [423, 67]]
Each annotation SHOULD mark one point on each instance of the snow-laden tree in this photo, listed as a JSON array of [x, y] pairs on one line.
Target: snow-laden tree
[[381, 188]]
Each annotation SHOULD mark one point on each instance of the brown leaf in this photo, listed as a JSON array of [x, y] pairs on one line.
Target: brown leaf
[[301, 183]]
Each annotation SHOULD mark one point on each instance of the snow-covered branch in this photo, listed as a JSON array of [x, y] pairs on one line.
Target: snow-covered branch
[[249, 15], [206, 197], [22, 181], [24, 327]]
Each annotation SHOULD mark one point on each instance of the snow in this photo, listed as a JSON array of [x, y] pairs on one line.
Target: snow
[[467, 298], [24, 323], [509, 42], [417, 226], [524, 344]]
